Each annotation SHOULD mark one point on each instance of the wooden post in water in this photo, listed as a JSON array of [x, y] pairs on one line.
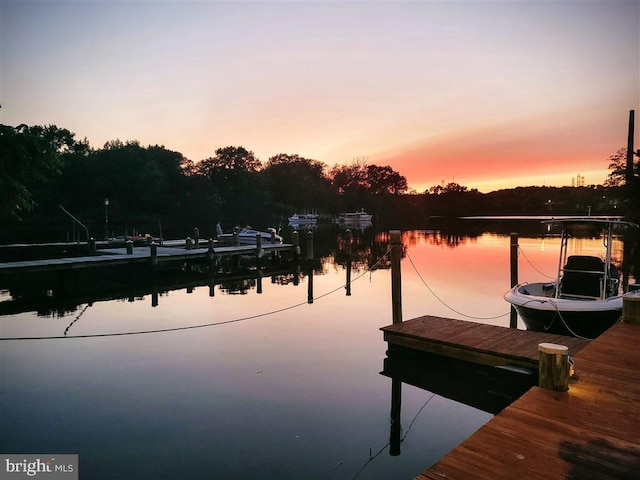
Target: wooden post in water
[[631, 309], [189, 243], [211, 255], [348, 282], [310, 283], [396, 277], [129, 247], [513, 319], [309, 245], [296, 246], [553, 367], [259, 251], [153, 249], [196, 237], [92, 245]]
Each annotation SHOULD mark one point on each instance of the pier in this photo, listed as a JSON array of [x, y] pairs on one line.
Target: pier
[[580, 421], [150, 254], [590, 431]]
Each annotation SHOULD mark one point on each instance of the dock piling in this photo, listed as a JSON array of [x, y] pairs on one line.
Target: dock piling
[[396, 277], [153, 248], [309, 245]]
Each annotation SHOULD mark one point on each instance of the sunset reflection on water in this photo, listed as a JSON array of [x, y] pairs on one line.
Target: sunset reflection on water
[[275, 386]]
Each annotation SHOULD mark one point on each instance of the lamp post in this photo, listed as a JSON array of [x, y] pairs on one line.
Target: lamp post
[[106, 218]]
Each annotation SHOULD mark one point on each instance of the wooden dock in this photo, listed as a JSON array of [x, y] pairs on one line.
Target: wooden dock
[[118, 256], [591, 431], [475, 342]]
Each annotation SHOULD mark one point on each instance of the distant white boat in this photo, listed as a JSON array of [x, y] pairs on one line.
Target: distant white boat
[[351, 217], [247, 236], [303, 219]]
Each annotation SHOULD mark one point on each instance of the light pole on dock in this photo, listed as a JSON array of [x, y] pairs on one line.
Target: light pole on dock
[[106, 219]]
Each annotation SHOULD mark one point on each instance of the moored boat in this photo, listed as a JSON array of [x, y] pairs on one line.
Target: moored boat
[[351, 217], [585, 298], [247, 236], [303, 219]]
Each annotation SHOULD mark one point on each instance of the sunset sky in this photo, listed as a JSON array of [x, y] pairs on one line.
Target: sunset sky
[[489, 94]]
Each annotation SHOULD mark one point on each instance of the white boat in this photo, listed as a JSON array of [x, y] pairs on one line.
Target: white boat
[[585, 299], [353, 217], [247, 236], [303, 219]]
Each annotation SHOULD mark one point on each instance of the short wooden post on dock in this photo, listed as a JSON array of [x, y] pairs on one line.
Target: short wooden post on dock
[[129, 247], [92, 245], [631, 309], [513, 319], [553, 367], [236, 237], [189, 243], [396, 277], [309, 245], [153, 248], [196, 237]]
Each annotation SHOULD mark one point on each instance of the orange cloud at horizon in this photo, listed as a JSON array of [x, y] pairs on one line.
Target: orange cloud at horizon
[[519, 153]]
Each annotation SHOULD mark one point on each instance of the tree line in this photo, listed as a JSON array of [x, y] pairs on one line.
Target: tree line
[[152, 188]]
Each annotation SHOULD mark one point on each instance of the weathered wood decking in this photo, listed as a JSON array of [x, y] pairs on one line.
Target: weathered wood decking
[[475, 342], [591, 431]]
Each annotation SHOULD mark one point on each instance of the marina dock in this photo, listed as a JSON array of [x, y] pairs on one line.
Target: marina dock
[[139, 255], [590, 431]]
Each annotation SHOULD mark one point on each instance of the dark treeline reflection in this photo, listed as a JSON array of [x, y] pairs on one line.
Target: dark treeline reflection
[[335, 248]]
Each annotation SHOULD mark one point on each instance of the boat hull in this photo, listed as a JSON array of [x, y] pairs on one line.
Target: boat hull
[[578, 318]]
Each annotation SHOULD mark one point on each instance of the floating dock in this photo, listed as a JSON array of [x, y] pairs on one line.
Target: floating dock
[[475, 342], [591, 431], [119, 256]]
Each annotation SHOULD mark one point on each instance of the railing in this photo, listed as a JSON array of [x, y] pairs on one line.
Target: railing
[[76, 220]]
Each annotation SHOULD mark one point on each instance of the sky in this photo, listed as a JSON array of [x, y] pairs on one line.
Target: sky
[[487, 94]]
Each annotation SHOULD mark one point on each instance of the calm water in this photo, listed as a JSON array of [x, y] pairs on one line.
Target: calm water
[[297, 393]]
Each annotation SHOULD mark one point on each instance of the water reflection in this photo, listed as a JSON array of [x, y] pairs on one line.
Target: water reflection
[[295, 393]]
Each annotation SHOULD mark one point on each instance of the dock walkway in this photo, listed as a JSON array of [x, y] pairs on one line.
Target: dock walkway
[[119, 256], [591, 431]]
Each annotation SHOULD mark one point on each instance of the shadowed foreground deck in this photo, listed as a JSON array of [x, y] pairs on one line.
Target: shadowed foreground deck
[[591, 431]]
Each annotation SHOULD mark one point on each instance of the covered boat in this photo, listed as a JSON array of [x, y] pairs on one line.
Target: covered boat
[[585, 299]]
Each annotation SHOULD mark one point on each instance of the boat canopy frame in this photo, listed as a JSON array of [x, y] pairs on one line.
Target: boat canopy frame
[[609, 225]]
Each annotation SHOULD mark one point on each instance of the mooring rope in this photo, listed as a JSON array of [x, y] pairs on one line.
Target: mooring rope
[[520, 250], [203, 325], [444, 303]]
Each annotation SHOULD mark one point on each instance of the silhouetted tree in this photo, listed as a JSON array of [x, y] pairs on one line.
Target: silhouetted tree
[[29, 158]]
